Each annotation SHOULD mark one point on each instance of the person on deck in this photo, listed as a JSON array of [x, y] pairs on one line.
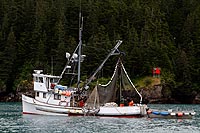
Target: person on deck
[[81, 103], [131, 103]]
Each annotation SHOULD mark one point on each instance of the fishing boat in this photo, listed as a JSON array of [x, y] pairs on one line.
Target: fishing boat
[[170, 114], [52, 98]]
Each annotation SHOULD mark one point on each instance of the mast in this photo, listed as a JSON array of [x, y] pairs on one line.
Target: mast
[[120, 84], [80, 46], [78, 49]]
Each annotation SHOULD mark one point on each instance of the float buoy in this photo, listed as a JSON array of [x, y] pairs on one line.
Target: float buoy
[[68, 93], [121, 105], [192, 113], [64, 93], [173, 113], [149, 111], [180, 114], [186, 113], [164, 113], [156, 112]]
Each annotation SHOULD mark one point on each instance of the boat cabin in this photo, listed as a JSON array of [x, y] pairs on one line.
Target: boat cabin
[[43, 82], [47, 90]]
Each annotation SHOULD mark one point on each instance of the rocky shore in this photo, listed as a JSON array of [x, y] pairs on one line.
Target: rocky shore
[[156, 94]]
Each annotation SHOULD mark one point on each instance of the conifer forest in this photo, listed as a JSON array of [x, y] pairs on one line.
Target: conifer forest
[[36, 34]]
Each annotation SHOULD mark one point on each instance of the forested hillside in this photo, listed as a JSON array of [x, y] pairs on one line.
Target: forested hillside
[[155, 33]]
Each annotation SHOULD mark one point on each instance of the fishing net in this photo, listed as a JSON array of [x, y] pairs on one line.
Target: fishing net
[[93, 100], [119, 89]]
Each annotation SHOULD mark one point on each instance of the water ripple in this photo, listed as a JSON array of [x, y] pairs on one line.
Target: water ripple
[[12, 120]]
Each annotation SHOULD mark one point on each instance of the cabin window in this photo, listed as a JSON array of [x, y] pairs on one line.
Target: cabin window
[[37, 94], [38, 79], [53, 80], [57, 97], [44, 95]]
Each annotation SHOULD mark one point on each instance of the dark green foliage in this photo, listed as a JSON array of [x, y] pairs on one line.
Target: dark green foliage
[[8, 59], [147, 82], [24, 75], [34, 34]]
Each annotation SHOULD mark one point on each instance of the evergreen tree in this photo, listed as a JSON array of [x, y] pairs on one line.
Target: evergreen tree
[[154, 33], [99, 44], [60, 59], [8, 58], [191, 45]]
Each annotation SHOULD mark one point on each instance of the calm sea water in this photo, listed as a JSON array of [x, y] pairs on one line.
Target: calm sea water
[[12, 121]]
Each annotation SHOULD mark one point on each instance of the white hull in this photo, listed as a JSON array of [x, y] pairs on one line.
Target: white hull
[[120, 111], [126, 111], [32, 106]]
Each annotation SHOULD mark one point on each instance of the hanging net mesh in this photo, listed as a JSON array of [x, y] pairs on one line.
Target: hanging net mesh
[[93, 100], [119, 89]]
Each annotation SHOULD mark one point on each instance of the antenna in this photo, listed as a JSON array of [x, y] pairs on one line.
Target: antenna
[[51, 65]]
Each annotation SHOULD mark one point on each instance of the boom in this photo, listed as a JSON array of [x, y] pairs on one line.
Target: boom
[[100, 67]]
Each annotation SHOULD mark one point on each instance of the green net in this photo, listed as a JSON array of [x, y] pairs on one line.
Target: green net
[[118, 90]]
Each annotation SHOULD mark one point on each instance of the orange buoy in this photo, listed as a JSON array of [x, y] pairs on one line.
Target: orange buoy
[[64, 93], [149, 111], [121, 105], [180, 114], [68, 93]]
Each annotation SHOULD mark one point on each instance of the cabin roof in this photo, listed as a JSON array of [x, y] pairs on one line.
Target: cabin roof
[[45, 75]]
